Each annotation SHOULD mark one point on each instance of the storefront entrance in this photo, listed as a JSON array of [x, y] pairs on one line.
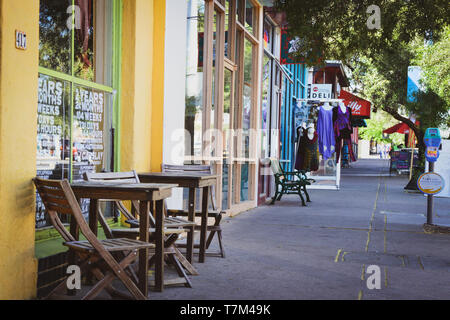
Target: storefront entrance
[[221, 95]]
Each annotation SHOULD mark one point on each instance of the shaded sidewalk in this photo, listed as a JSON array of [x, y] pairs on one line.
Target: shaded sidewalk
[[322, 251]]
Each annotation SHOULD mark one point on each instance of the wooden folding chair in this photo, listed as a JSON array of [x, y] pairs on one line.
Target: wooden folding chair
[[131, 217], [172, 230], [104, 259], [214, 229]]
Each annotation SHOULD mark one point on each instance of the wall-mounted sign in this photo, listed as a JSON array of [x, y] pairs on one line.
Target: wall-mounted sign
[[430, 183], [320, 91], [286, 48], [360, 107], [21, 40]]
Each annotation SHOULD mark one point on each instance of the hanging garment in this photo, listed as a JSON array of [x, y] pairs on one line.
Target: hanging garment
[[342, 124], [326, 132], [308, 153]]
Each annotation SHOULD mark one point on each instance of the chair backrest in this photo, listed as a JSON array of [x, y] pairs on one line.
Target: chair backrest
[[187, 168], [58, 198], [206, 169], [113, 177], [275, 165]]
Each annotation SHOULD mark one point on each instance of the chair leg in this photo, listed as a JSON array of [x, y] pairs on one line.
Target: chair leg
[[213, 232], [185, 263], [126, 280], [274, 198], [281, 194], [219, 237], [173, 259], [306, 193], [301, 197]]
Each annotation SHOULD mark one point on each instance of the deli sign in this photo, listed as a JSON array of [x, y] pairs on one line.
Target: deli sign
[[320, 91], [360, 107]]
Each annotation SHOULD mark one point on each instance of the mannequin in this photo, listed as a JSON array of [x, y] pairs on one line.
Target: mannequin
[[307, 157], [327, 106], [342, 124], [311, 131]]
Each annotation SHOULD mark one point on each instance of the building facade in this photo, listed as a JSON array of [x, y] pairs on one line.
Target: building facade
[[80, 89], [118, 85]]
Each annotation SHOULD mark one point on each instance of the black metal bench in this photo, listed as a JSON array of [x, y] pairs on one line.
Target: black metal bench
[[289, 182]]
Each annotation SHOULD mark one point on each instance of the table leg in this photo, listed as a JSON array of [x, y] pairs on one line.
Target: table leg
[[93, 219], [143, 253], [191, 217], [204, 224], [159, 254]]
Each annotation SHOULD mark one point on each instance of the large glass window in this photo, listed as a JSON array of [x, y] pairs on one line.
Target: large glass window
[[194, 78], [75, 97], [265, 108], [220, 92]]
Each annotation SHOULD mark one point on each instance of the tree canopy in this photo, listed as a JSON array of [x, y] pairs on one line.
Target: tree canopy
[[378, 40]]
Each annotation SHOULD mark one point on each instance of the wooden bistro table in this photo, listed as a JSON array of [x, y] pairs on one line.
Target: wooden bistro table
[[191, 181], [146, 193]]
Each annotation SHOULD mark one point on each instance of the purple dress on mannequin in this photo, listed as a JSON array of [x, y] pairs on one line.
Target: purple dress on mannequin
[[326, 132]]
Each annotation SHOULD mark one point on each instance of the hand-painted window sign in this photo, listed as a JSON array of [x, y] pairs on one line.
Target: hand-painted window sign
[[430, 183], [21, 40]]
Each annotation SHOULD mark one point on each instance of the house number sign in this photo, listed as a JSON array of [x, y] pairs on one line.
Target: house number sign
[[21, 40]]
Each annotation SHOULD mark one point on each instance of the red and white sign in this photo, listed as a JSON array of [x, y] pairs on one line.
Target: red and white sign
[[360, 107], [320, 91]]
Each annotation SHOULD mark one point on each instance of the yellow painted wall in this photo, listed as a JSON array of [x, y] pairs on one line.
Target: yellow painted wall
[[18, 122], [142, 94]]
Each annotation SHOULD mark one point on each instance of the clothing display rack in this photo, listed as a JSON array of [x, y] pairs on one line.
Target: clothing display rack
[[320, 176]]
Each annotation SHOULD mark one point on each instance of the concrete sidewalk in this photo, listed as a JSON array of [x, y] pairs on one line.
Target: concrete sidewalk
[[322, 251]]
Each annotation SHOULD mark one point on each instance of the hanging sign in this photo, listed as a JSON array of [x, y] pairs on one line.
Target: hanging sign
[[320, 91], [430, 183]]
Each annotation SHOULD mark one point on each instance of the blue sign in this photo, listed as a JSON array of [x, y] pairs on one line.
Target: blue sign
[[432, 140], [414, 85]]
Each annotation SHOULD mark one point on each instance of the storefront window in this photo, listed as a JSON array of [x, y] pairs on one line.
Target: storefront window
[[194, 77], [247, 98], [268, 36], [55, 36], [227, 101], [92, 58], [91, 126], [75, 97], [265, 110], [249, 16], [53, 135]]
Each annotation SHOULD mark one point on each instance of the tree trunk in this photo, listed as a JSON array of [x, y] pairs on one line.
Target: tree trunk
[[420, 167]]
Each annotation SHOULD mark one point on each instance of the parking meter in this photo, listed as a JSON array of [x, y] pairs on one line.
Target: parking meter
[[432, 140]]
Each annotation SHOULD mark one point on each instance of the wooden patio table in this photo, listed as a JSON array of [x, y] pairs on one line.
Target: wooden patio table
[[146, 193], [191, 181]]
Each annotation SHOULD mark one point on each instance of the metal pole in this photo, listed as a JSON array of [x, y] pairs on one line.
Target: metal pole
[[430, 198]]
